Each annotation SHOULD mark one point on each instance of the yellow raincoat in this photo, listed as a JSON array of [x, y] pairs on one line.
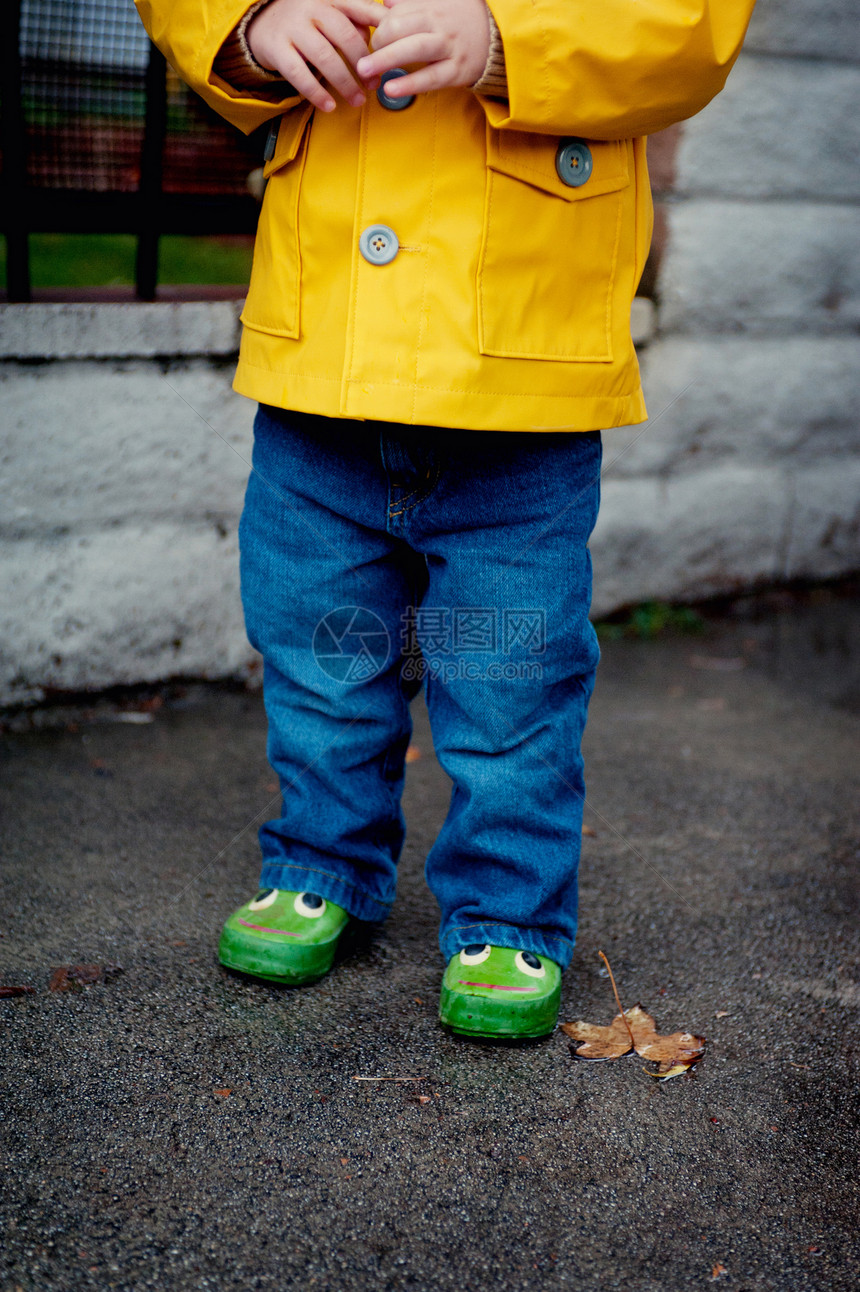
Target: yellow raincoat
[[507, 303]]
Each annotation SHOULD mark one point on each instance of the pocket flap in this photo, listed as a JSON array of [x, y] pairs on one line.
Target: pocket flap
[[531, 158], [290, 132]]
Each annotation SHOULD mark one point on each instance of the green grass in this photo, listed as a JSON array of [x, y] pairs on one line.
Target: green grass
[[107, 260], [649, 620]]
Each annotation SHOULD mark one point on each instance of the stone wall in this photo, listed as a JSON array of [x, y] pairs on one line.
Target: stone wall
[[749, 471], [124, 452], [123, 460]]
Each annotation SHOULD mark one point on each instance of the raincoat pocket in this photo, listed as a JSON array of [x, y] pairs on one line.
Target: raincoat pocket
[[549, 250], [274, 295]]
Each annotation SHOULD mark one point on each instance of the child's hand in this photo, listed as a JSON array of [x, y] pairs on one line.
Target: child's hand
[[451, 38], [301, 37]]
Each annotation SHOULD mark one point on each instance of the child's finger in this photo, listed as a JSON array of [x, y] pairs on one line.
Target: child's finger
[[426, 47], [302, 79], [321, 54], [435, 76], [405, 22], [364, 13], [342, 34]]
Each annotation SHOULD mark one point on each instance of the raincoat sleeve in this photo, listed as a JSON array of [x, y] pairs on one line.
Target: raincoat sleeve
[[190, 34], [613, 69]]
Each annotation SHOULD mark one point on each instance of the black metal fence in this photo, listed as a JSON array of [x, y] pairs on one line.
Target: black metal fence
[[100, 136]]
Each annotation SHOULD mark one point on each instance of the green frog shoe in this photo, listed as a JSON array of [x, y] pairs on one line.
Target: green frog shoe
[[283, 937], [499, 992]]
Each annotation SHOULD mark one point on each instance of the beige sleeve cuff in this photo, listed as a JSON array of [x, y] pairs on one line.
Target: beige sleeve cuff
[[494, 78], [237, 65]]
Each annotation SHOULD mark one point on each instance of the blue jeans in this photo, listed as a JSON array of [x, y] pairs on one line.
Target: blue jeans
[[378, 557]]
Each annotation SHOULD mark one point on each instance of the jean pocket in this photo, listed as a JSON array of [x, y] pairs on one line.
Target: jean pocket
[[549, 249], [274, 295]]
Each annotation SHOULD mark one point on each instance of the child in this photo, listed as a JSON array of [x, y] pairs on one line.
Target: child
[[437, 327]]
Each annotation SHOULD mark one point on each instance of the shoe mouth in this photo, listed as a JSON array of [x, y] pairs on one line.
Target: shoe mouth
[[263, 928], [493, 986]]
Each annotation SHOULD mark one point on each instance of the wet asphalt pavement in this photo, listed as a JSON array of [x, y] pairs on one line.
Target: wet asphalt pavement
[[177, 1126]]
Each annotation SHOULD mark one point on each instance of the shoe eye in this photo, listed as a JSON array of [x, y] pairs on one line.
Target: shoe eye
[[474, 955], [309, 904], [264, 898], [528, 963]]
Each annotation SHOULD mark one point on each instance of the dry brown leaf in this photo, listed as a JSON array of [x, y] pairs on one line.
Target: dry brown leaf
[[599, 1042], [17, 991], [667, 1051], [413, 753], [71, 977], [222, 1092], [673, 1054], [634, 1029], [678, 1071]]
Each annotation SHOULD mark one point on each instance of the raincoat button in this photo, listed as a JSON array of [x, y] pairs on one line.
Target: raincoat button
[[378, 244], [574, 162], [387, 101]]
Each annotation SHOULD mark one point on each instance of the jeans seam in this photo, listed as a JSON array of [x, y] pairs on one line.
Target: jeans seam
[[315, 870], [482, 924], [422, 494], [405, 498]]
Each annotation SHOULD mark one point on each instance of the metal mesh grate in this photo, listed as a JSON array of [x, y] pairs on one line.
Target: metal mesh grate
[[201, 153], [83, 68], [82, 71]]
